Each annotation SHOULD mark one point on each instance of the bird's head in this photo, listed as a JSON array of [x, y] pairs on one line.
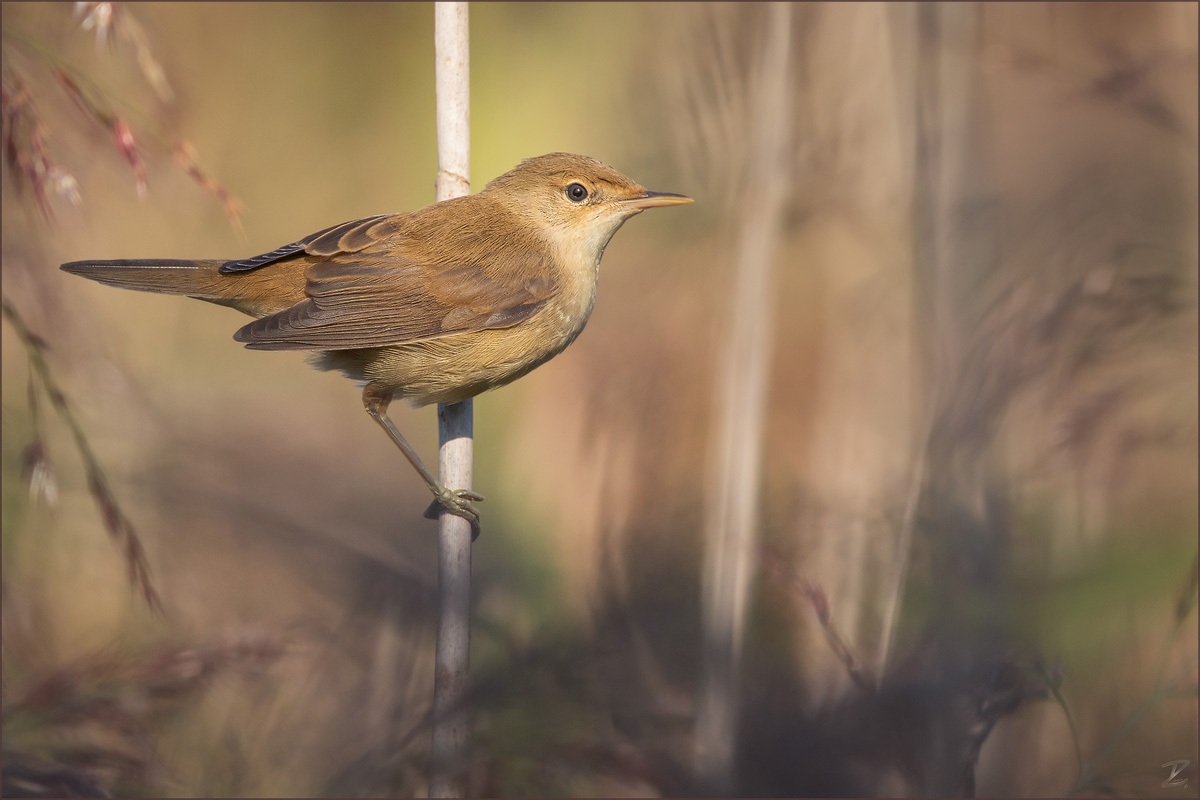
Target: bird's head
[[577, 201]]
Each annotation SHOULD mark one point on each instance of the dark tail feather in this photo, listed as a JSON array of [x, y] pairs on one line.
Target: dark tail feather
[[193, 278]]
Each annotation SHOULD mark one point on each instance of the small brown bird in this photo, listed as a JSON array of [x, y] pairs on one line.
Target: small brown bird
[[434, 306]]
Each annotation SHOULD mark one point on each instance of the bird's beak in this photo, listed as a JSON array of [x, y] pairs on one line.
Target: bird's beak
[[655, 199]]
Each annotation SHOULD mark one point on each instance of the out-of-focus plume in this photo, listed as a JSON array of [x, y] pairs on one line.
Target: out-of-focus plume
[[117, 18], [116, 523], [26, 133]]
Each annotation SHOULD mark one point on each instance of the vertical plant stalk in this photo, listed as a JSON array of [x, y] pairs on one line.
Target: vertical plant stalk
[[450, 751], [732, 516], [939, 78]]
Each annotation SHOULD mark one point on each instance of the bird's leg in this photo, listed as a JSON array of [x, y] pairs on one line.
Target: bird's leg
[[456, 501]]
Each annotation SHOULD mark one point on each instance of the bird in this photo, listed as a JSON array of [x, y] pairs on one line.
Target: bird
[[435, 305]]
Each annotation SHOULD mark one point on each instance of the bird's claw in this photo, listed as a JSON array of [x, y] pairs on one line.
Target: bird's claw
[[457, 502]]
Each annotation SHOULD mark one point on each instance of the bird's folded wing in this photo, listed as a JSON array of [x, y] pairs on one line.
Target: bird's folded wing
[[349, 237], [373, 299]]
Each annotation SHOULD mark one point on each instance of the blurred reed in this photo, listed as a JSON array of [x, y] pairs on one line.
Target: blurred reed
[[732, 520]]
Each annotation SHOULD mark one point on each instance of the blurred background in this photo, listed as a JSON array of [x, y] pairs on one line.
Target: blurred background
[[874, 472]]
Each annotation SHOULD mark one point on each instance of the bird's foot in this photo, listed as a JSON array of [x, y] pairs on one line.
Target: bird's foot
[[457, 502]]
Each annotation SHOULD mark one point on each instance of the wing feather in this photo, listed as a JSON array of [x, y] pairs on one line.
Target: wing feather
[[349, 237]]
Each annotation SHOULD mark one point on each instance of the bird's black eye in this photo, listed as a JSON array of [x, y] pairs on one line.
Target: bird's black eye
[[577, 192]]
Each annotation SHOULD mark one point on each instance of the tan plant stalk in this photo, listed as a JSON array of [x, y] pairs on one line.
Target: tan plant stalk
[[452, 680]]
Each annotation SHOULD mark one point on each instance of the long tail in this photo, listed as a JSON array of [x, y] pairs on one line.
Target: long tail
[[193, 278], [256, 293]]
